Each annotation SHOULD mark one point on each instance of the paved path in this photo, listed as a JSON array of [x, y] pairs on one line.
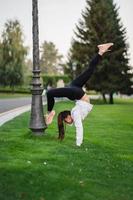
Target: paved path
[[9, 104], [10, 108], [6, 116]]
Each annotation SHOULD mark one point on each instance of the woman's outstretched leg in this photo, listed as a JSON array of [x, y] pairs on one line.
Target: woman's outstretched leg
[[71, 93], [85, 76]]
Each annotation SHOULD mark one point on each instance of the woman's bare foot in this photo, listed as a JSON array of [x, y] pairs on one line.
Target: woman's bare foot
[[49, 117], [104, 48]]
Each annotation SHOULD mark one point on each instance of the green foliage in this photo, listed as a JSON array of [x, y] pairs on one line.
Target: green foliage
[[100, 24], [12, 54], [17, 89], [50, 61], [42, 168], [9, 95], [53, 79]]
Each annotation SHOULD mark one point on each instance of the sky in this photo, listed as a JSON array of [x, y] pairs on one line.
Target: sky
[[57, 20]]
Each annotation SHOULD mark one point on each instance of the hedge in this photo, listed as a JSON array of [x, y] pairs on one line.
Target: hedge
[[53, 79], [45, 80]]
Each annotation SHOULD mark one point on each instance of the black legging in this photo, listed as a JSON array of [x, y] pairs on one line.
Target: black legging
[[74, 91]]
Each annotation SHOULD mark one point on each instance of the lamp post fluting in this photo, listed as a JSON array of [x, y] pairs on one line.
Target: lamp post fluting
[[37, 123]]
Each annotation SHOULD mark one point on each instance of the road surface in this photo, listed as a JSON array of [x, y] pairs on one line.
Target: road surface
[[9, 104]]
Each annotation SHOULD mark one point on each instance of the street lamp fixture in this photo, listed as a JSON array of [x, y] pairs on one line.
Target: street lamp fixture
[[37, 123]]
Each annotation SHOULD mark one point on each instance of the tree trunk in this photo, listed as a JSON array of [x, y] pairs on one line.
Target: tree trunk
[[111, 101], [12, 89], [104, 98]]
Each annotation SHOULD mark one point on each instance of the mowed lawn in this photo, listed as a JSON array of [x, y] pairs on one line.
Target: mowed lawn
[[43, 168], [13, 95]]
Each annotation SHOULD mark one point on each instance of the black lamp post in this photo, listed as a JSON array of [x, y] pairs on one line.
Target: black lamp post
[[37, 123]]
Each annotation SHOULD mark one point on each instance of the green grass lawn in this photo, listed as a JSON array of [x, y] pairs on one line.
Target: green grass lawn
[[13, 95], [42, 168]]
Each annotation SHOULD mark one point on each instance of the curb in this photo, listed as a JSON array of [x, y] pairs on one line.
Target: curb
[[9, 115]]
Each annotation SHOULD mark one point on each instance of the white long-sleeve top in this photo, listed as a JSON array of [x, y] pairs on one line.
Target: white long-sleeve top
[[78, 113]]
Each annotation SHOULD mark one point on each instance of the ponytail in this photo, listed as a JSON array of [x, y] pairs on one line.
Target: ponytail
[[61, 117]]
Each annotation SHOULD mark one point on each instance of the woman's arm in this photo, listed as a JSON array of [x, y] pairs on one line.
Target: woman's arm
[[79, 127]]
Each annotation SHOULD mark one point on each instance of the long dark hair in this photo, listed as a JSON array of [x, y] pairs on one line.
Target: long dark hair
[[61, 116]]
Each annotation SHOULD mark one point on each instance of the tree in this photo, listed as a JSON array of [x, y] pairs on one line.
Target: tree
[[50, 59], [27, 71], [13, 54], [100, 24]]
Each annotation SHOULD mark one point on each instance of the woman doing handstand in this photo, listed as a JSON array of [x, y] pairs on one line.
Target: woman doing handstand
[[75, 92]]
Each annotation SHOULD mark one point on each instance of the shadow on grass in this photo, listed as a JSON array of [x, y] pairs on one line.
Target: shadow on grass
[[45, 136]]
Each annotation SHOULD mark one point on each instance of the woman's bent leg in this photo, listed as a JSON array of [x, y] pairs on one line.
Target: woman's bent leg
[[71, 93]]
